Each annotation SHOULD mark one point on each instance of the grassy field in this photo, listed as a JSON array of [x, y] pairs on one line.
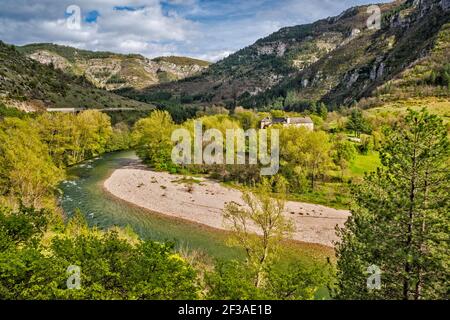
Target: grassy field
[[438, 106], [337, 194], [331, 194], [365, 164]]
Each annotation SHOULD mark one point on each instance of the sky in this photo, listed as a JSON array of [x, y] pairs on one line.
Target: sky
[[204, 29]]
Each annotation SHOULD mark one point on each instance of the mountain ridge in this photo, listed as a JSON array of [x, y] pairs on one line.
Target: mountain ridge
[[32, 86], [112, 71], [336, 60]]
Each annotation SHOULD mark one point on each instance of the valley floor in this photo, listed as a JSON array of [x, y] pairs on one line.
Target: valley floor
[[203, 201]]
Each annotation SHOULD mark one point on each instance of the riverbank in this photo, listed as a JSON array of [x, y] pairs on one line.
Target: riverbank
[[202, 202]]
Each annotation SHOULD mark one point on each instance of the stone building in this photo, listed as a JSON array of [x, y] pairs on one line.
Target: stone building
[[288, 121]]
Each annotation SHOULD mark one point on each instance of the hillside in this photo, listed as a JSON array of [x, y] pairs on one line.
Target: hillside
[[113, 71], [336, 60], [31, 86]]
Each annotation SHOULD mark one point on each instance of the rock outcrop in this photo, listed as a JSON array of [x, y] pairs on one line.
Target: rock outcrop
[[114, 71]]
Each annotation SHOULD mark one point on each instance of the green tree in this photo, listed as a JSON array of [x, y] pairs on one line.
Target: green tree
[[322, 110], [73, 138], [307, 152], [233, 280], [345, 153], [247, 119], [120, 138], [113, 264], [317, 157], [400, 221], [95, 132], [300, 282], [357, 123], [259, 227], [62, 136], [152, 136], [27, 172]]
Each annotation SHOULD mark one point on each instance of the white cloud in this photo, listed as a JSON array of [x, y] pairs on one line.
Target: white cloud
[[208, 29]]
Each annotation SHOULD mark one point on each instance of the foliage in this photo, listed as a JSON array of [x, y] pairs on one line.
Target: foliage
[[345, 153], [73, 138], [10, 112], [247, 119], [95, 131], [358, 124], [27, 172], [233, 280], [120, 138], [24, 227], [400, 220], [305, 154], [152, 136], [263, 216], [111, 266]]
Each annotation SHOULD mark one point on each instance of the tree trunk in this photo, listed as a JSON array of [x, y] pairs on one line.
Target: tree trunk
[[409, 237], [260, 274], [418, 291]]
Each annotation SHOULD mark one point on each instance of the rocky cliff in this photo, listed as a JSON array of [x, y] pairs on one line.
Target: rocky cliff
[[114, 71]]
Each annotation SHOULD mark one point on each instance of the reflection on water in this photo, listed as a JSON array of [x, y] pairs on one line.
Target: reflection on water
[[84, 191]]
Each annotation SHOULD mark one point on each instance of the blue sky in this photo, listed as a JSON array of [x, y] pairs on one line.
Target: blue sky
[[205, 29]]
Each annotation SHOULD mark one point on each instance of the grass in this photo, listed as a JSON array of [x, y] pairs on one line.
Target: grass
[[188, 180], [364, 164], [337, 194], [437, 106], [330, 194], [183, 61]]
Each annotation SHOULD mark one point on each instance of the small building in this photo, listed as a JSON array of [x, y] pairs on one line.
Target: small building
[[288, 122]]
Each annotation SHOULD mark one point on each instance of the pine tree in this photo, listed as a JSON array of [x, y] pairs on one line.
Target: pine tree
[[400, 220], [357, 123]]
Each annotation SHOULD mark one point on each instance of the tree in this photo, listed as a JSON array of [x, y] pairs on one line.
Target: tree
[[247, 119], [74, 138], [345, 153], [357, 123], [400, 221], [259, 227], [307, 152], [152, 136], [120, 138], [113, 264], [317, 155], [61, 135], [312, 108], [95, 132], [233, 280], [27, 172], [323, 110], [300, 282]]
